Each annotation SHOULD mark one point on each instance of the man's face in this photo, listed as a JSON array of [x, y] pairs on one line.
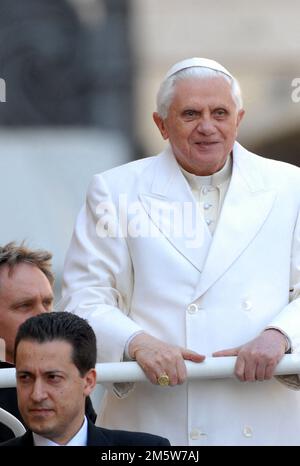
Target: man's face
[[202, 124], [24, 292], [51, 391]]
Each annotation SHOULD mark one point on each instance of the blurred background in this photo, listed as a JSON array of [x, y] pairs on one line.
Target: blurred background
[[81, 79]]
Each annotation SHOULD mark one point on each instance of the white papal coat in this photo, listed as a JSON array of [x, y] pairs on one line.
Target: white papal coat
[[128, 268]]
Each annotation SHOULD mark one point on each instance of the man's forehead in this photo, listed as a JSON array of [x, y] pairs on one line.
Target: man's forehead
[[48, 353], [216, 88], [17, 271], [22, 275]]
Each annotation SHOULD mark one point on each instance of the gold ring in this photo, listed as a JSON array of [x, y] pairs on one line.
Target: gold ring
[[163, 380]]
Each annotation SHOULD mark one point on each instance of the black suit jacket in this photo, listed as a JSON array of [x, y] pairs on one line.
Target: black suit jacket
[[8, 401], [97, 436]]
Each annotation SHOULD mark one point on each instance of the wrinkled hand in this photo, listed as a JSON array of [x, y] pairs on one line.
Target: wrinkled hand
[[257, 359], [156, 358]]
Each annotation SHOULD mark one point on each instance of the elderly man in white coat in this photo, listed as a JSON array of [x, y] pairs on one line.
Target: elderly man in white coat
[[194, 252]]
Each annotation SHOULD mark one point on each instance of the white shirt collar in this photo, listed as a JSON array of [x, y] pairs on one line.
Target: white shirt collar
[[79, 439], [216, 179]]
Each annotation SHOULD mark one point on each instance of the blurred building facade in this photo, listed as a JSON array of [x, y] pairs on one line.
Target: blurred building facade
[[66, 63], [68, 72]]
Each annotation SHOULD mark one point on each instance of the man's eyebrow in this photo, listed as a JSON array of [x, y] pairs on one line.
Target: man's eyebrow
[[50, 297], [25, 300], [23, 372], [192, 108], [30, 299], [49, 372]]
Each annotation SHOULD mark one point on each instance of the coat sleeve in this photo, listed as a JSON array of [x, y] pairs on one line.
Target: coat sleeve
[[288, 320], [98, 273]]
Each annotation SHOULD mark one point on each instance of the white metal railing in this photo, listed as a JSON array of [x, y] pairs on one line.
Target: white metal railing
[[12, 422], [212, 368]]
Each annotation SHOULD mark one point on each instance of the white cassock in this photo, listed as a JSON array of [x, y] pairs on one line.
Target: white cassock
[[195, 290]]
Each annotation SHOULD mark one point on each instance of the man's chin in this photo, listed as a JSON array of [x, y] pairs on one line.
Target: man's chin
[[40, 423], [38, 427]]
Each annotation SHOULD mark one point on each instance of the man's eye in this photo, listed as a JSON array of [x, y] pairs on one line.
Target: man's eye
[[220, 112], [54, 378], [23, 377], [23, 307], [189, 113], [47, 303]]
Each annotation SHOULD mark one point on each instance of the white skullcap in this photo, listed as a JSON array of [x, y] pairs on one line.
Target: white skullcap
[[201, 62]]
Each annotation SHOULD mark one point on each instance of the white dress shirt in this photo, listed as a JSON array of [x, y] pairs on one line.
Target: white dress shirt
[[79, 439], [210, 191]]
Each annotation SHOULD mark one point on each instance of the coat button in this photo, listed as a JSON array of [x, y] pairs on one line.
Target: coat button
[[193, 308], [247, 431], [247, 305]]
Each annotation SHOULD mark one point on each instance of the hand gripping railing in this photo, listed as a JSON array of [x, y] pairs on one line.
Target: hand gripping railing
[[211, 368]]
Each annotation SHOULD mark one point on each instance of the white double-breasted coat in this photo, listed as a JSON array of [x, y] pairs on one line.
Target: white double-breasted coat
[[191, 290]]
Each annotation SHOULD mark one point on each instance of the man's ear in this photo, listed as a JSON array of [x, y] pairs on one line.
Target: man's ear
[[160, 123], [240, 116], [89, 381], [2, 350]]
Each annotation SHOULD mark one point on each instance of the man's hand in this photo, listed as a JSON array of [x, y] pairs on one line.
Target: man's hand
[[156, 358], [257, 359]]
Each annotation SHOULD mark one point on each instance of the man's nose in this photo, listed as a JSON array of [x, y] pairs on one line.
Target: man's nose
[[206, 126], [38, 391]]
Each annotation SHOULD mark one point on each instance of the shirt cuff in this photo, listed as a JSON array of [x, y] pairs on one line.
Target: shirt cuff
[[126, 356], [288, 346]]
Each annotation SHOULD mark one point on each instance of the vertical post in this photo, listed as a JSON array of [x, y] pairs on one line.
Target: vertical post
[[2, 90]]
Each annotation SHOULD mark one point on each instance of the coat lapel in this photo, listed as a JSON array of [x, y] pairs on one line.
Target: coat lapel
[[169, 202], [246, 207], [96, 436], [25, 440]]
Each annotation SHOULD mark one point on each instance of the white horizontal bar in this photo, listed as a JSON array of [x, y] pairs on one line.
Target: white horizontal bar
[[7, 378], [213, 368]]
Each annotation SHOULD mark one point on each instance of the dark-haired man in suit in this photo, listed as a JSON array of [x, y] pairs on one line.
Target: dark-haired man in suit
[[55, 357]]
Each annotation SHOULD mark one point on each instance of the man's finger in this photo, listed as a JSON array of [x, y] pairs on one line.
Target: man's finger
[[192, 356], [181, 372], [250, 371], [239, 369], [227, 352]]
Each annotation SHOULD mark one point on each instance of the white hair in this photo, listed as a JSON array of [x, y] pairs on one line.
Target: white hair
[[167, 88]]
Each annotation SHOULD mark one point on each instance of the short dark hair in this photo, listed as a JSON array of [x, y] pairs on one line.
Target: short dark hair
[[12, 254], [63, 326]]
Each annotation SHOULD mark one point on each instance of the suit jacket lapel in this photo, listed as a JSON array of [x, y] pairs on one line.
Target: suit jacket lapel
[[169, 202], [95, 436], [25, 440], [245, 209]]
